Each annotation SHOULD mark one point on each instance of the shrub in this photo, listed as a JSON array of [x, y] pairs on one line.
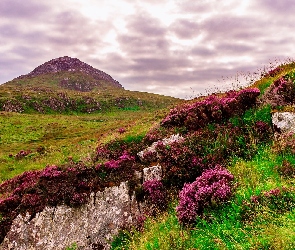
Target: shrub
[[121, 130], [279, 200], [155, 193], [212, 109], [287, 169], [273, 72], [22, 154], [212, 187], [284, 144]]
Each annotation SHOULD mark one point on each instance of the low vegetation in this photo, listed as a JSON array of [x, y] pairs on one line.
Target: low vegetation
[[228, 182]]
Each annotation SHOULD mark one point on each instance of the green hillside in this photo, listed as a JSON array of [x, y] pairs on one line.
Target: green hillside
[[228, 180], [48, 95], [260, 211]]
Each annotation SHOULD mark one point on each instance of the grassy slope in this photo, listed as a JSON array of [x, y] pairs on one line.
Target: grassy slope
[[63, 136], [270, 226], [45, 86], [69, 133], [76, 136]]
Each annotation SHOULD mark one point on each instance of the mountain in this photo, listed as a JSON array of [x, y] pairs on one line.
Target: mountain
[[66, 85], [68, 64]]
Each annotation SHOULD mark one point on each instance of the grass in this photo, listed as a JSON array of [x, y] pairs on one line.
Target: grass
[[64, 137], [54, 138], [38, 91], [223, 227]]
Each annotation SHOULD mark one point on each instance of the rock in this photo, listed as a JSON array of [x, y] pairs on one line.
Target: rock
[[165, 141], [284, 122], [152, 173], [91, 226]]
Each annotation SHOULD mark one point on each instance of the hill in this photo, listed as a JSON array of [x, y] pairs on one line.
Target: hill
[[67, 85], [227, 168], [68, 64]]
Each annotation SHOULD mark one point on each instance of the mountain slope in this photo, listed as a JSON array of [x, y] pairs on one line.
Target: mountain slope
[[67, 85], [64, 64]]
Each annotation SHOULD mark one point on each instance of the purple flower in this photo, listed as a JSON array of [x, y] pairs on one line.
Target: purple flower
[[155, 192], [121, 130], [213, 185]]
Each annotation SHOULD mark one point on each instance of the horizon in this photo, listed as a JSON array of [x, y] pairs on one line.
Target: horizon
[[173, 48]]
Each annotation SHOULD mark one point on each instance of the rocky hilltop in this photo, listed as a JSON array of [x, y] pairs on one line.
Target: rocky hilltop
[[70, 64]]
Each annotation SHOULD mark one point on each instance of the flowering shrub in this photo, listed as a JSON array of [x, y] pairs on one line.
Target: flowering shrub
[[212, 109], [279, 200], [282, 91], [124, 159], [156, 193], [285, 144], [121, 130], [149, 154], [273, 72], [285, 87], [23, 153], [287, 169], [213, 186]]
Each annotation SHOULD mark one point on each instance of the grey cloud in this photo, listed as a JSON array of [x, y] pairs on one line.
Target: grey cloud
[[9, 31], [185, 29], [231, 27], [281, 6], [144, 24], [197, 6], [236, 48], [138, 45], [22, 9], [202, 51], [27, 52]]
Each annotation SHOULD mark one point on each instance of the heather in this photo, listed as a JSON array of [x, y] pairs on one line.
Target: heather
[[227, 177], [234, 175], [212, 187]]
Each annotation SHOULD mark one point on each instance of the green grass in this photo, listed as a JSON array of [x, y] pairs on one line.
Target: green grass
[[224, 227], [64, 136], [31, 91], [73, 135]]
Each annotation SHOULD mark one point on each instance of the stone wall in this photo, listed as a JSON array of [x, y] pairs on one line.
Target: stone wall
[[91, 226]]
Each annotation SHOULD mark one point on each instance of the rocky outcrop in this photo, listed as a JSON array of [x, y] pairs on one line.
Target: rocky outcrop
[[91, 226], [284, 122], [67, 63]]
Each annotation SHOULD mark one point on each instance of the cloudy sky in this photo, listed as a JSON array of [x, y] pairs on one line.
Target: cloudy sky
[[174, 47]]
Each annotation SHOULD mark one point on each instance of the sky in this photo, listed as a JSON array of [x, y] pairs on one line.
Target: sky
[[179, 48]]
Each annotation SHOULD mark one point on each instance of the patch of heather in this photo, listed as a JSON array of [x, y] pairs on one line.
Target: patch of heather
[[184, 160], [214, 186], [212, 109], [121, 130], [22, 154], [124, 160], [284, 144], [286, 169], [155, 193], [280, 200], [274, 72], [70, 184], [281, 92]]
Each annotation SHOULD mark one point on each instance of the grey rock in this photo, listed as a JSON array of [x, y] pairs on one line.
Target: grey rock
[[284, 122]]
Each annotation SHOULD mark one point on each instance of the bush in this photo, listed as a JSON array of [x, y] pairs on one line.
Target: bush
[[278, 200], [212, 109], [212, 187], [155, 193]]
